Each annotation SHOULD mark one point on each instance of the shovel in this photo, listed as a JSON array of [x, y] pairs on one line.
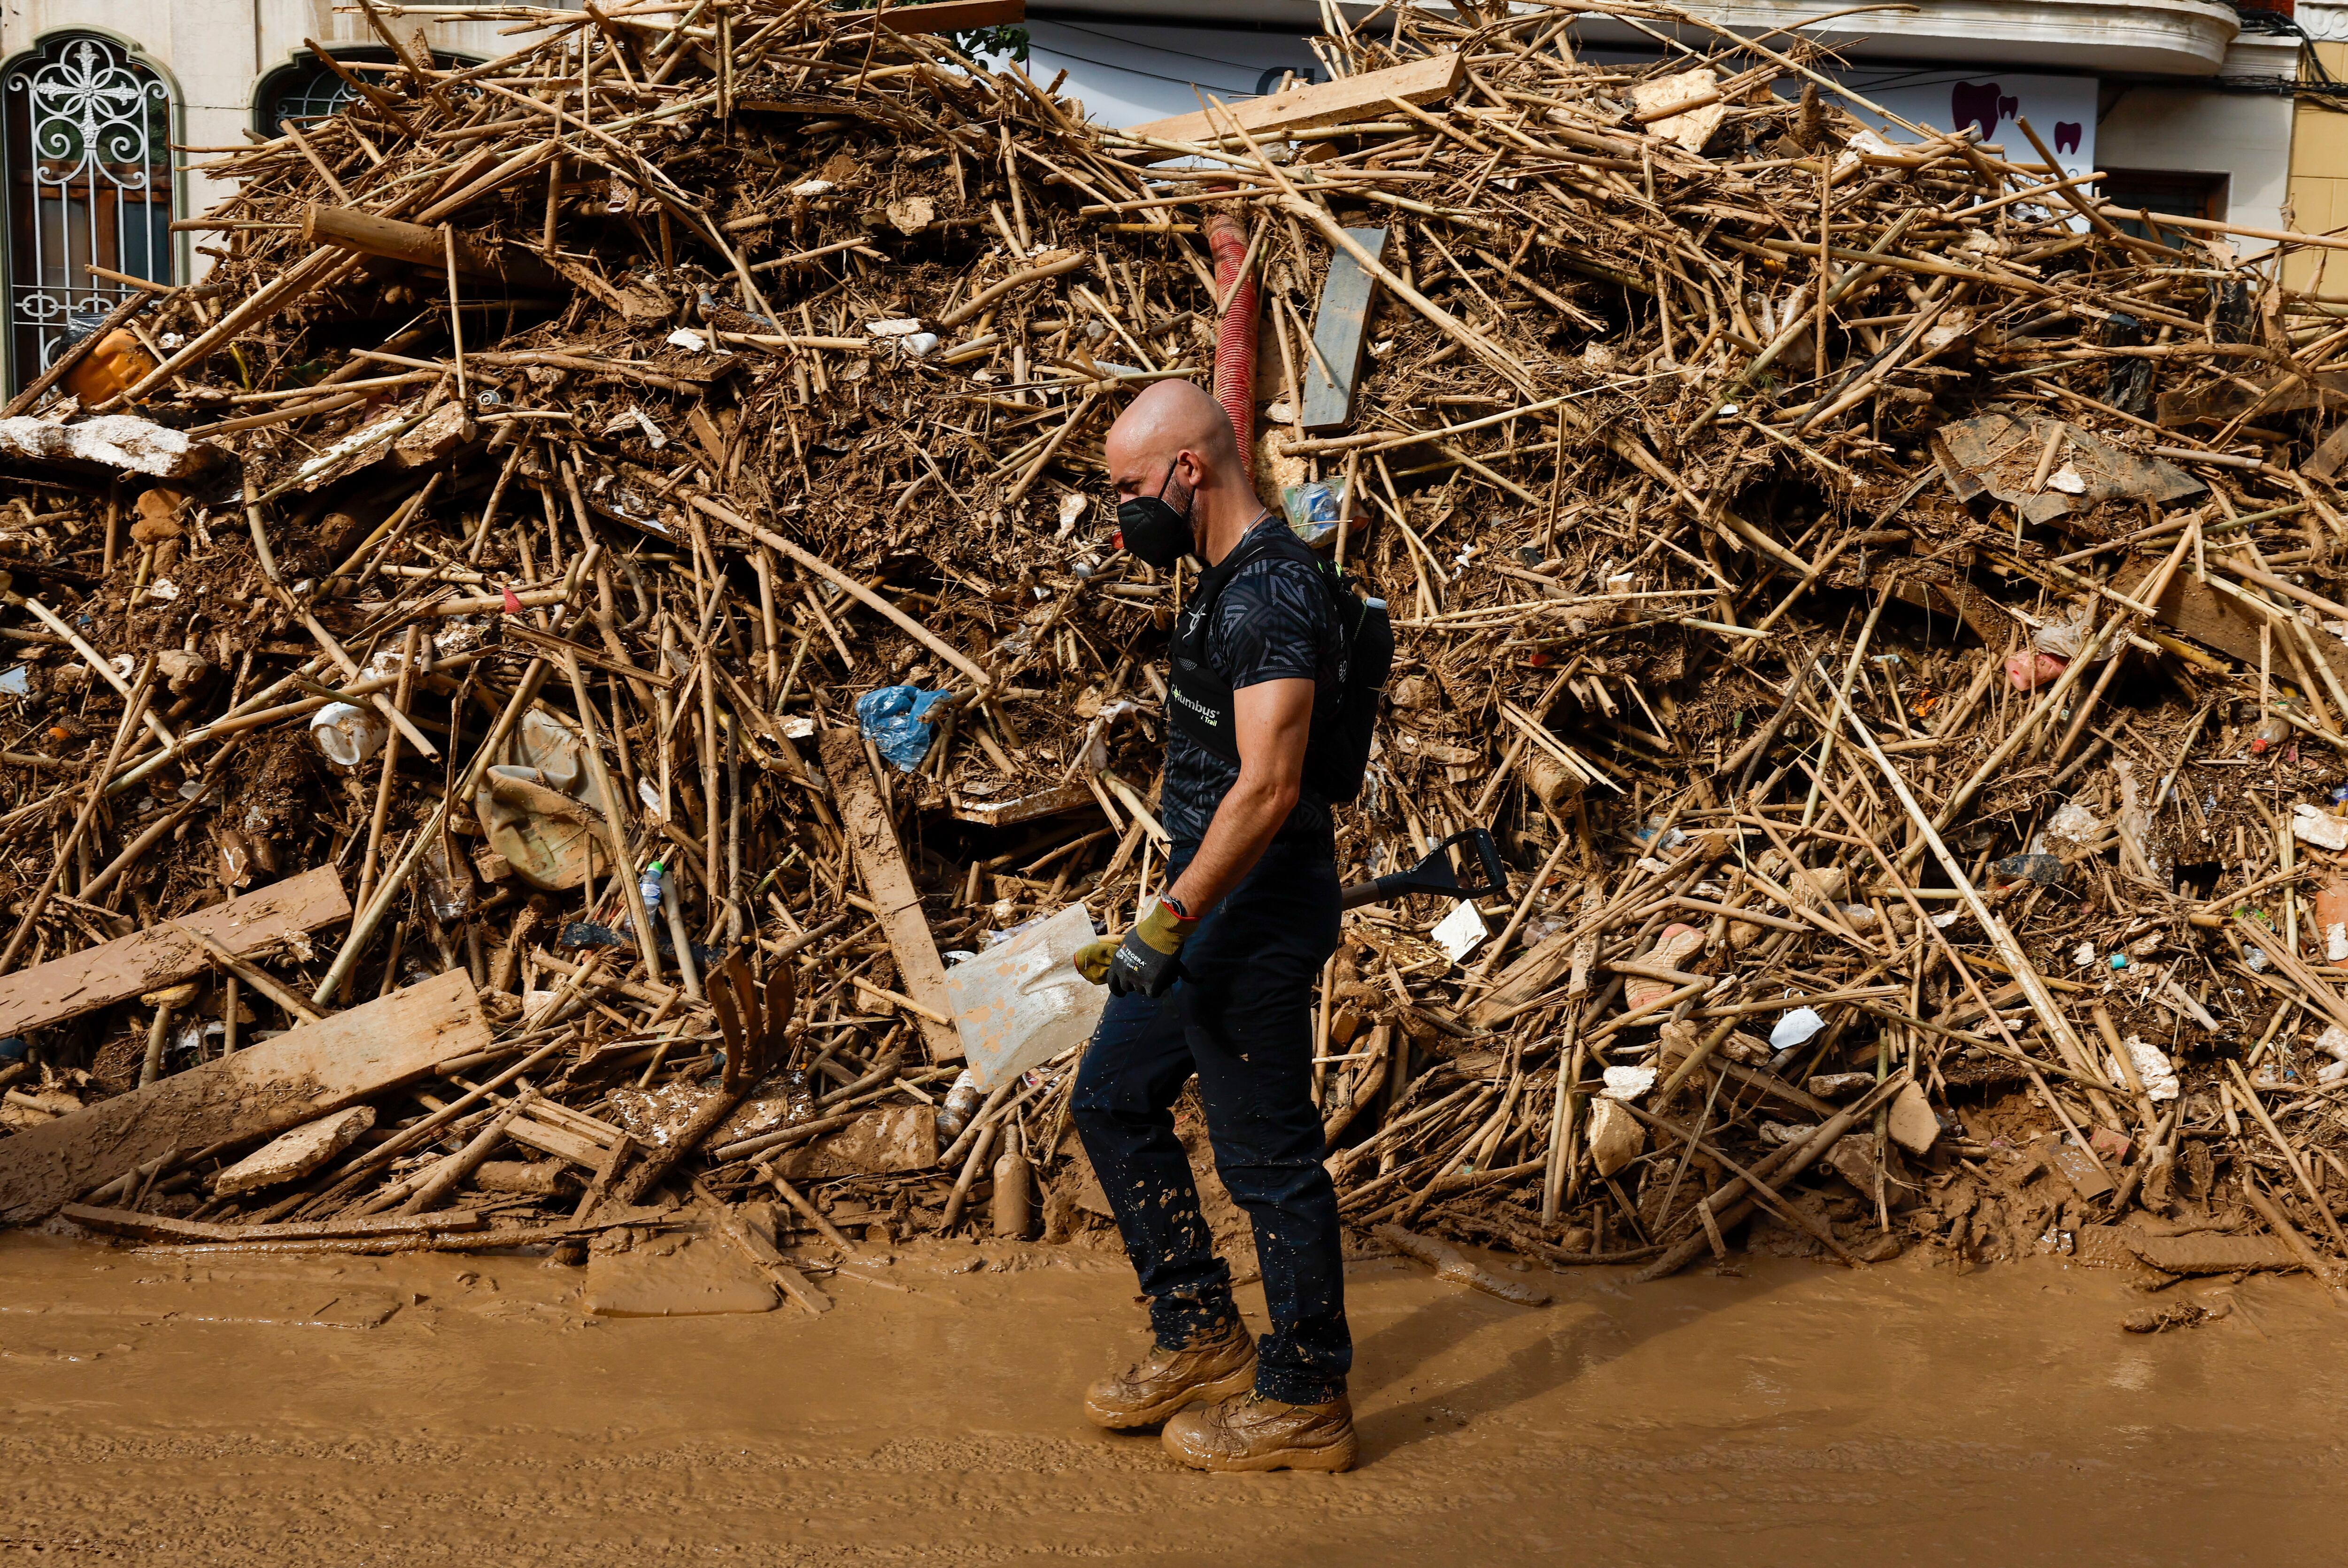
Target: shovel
[[1435, 873]]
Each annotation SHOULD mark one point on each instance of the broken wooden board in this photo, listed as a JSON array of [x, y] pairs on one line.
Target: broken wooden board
[[952, 15], [146, 961], [2197, 1253], [2222, 622], [1364, 98], [2329, 453], [294, 1155], [2222, 401], [560, 1142], [751, 1227], [261, 1091], [920, 973], [1685, 108], [1049, 803], [161, 1228], [1341, 335]]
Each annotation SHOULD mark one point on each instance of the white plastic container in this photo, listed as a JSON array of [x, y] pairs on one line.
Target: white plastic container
[[346, 736]]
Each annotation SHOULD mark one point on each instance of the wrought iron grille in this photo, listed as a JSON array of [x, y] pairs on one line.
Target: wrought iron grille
[[89, 181], [302, 94]]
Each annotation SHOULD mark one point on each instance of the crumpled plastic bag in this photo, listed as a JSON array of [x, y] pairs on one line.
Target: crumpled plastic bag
[[2071, 829], [1794, 1027], [545, 833], [892, 719], [2153, 1069], [2067, 638]]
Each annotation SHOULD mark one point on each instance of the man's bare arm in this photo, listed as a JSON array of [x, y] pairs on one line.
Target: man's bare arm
[[1271, 721]]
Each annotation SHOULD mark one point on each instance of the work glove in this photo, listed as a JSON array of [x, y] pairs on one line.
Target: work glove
[[1147, 960]]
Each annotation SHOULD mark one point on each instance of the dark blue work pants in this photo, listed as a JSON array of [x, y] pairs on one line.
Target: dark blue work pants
[[1241, 1019]]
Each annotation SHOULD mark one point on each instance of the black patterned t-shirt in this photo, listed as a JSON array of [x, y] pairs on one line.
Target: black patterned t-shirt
[[1273, 621]]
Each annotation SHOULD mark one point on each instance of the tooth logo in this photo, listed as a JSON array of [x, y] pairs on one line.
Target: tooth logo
[[1980, 104]]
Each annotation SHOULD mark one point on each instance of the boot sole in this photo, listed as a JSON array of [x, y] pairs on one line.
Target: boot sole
[[1332, 1460], [1237, 1381]]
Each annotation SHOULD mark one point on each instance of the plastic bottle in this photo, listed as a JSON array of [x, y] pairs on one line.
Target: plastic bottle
[[2272, 731], [1015, 1196], [962, 1104], [648, 886], [447, 881]]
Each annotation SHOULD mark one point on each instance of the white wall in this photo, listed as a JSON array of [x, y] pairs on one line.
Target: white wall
[[2243, 136], [1128, 73]]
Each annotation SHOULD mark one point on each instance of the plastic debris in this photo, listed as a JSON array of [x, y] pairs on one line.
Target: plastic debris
[[892, 720]]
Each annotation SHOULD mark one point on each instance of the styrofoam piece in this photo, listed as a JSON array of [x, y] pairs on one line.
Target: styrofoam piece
[[1022, 1003]]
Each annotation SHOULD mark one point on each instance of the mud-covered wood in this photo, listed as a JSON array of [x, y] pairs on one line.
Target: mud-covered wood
[[259, 1092], [131, 966]]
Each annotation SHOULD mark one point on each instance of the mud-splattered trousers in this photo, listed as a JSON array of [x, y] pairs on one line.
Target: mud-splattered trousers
[[1241, 1019]]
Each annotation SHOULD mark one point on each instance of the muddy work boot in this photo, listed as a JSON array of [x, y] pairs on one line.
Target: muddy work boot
[[1250, 1432], [1210, 1367]]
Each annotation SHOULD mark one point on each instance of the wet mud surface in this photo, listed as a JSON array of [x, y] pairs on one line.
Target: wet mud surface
[[469, 1410]]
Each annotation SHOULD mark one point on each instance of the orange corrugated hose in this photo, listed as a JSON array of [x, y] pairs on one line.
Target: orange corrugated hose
[[1235, 345]]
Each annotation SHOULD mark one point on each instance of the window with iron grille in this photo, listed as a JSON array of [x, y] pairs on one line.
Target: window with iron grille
[[87, 132]]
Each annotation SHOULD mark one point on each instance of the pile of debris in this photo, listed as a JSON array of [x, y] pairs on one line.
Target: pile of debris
[[586, 670]]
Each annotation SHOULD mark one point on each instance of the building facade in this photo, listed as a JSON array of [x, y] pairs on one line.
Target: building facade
[[105, 105]]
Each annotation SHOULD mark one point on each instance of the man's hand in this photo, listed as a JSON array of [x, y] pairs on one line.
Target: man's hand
[[1146, 962]]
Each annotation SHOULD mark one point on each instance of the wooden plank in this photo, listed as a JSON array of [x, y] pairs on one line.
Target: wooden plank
[[2326, 460], [881, 859], [2226, 623], [557, 1141], [421, 245], [1049, 803], [2214, 405], [1341, 335], [751, 1227], [148, 960], [259, 1092], [160, 1228], [951, 15], [1326, 103]]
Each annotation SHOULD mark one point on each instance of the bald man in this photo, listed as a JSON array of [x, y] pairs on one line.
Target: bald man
[[1216, 978]]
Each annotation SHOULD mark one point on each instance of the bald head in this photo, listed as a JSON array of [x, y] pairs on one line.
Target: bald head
[[1176, 442], [1168, 418]]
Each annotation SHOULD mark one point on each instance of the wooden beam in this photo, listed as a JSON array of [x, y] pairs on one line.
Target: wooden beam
[[1324, 103], [948, 16], [419, 245], [162, 1228], [1341, 335], [865, 821], [259, 1092], [148, 960]]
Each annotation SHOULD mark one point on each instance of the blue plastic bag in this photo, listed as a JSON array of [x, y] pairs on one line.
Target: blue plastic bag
[[891, 718]]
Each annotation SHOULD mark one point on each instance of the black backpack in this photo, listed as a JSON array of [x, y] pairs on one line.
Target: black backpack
[[1199, 701]]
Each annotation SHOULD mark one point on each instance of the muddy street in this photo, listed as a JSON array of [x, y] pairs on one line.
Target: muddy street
[[444, 1409]]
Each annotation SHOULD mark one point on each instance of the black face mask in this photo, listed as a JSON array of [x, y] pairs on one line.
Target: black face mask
[[1153, 530]]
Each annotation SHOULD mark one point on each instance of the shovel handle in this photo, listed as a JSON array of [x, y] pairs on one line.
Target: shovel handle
[[1434, 875]]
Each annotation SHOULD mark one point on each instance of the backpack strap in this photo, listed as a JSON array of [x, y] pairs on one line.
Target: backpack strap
[[1198, 700]]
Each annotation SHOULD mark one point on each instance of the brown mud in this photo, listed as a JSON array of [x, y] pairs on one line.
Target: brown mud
[[432, 1410]]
